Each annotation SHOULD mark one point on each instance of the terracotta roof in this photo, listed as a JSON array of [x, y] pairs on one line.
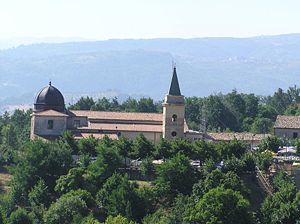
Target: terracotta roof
[[52, 113], [244, 136], [105, 115], [124, 127], [292, 122]]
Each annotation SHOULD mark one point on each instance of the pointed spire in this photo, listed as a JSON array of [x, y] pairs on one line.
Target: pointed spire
[[174, 88]]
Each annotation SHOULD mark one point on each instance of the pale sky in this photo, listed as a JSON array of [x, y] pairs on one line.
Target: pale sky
[[106, 19]]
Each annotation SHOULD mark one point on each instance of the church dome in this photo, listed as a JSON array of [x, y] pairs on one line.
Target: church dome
[[49, 98]]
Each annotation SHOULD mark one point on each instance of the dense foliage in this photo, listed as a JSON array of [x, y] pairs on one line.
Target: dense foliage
[[233, 111], [50, 186]]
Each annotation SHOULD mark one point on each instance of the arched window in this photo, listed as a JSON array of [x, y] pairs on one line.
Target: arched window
[[174, 117], [174, 133]]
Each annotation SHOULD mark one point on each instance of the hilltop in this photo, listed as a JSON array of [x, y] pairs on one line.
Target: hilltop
[[143, 67]]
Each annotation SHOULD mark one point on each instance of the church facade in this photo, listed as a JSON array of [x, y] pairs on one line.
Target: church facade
[[50, 119]]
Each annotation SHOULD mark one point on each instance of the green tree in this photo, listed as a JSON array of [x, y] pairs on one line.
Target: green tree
[[102, 104], [203, 151], [282, 179], [251, 105], [294, 94], [117, 196], [87, 146], [267, 111], [218, 115], [9, 143], [65, 210], [270, 143], [233, 148], [39, 160], [147, 167], [220, 205], [21, 120], [176, 175], [39, 199], [263, 160], [89, 220], [249, 162], [292, 110], [146, 105], [130, 105], [72, 181], [216, 178], [124, 147], [142, 147], [236, 105], [297, 144], [280, 101], [39, 195], [281, 207], [182, 146], [69, 140], [262, 125], [84, 103], [9, 136], [163, 150], [20, 216], [193, 110], [159, 217], [107, 162], [118, 220]]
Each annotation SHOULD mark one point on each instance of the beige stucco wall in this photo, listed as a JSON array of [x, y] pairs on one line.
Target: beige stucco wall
[[40, 125], [286, 133], [173, 105], [83, 122], [152, 136]]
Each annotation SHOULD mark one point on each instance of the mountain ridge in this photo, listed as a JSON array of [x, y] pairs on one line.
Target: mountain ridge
[[144, 66]]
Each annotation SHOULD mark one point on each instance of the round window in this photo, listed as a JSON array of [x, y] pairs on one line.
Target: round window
[[174, 133]]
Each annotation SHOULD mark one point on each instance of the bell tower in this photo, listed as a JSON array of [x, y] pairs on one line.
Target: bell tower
[[173, 111]]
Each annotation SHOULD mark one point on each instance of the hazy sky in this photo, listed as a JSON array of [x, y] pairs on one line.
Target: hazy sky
[[104, 19]]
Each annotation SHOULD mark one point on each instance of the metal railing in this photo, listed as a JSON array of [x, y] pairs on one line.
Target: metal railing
[[264, 182]]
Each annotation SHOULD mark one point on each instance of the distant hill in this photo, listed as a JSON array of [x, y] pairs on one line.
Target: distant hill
[[143, 67]]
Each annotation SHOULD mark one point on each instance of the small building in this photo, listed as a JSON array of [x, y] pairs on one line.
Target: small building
[[287, 127]]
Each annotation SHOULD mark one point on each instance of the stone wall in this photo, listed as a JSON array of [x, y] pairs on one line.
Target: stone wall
[[40, 126]]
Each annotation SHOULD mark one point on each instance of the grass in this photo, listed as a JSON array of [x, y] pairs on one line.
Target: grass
[[5, 178], [142, 183]]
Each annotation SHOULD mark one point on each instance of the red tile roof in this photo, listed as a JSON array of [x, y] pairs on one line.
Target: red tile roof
[[287, 122], [51, 113], [105, 115], [124, 127], [243, 136]]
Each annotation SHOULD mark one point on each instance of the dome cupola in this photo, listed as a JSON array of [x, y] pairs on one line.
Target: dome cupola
[[49, 98]]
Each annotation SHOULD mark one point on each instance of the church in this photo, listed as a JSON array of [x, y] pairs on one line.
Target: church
[[50, 119]]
